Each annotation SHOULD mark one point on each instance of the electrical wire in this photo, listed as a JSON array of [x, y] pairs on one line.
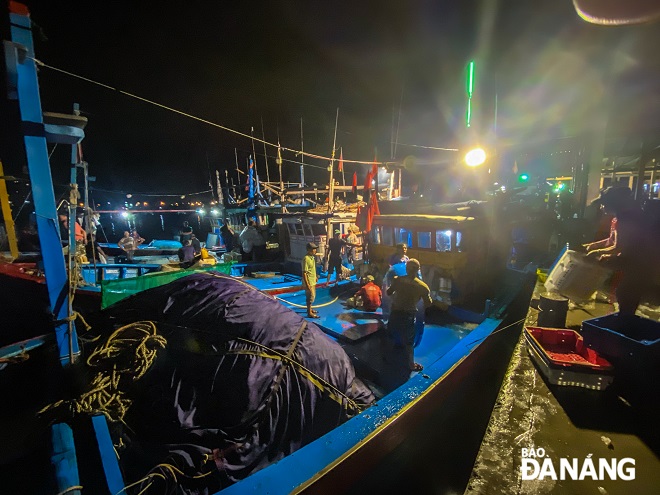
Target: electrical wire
[[206, 121]]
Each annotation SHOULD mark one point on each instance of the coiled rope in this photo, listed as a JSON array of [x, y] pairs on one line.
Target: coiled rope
[[131, 351]]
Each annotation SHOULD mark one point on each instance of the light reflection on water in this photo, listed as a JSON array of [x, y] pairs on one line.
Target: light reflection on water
[[151, 225]]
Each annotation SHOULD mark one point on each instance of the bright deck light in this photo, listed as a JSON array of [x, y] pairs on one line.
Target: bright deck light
[[475, 157]]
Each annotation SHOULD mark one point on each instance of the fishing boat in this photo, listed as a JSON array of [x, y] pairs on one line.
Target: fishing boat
[[358, 408]]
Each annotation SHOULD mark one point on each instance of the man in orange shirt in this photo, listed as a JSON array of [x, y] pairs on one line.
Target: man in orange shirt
[[368, 298]]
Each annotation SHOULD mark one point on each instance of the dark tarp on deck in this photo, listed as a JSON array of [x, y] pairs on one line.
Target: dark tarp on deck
[[218, 401]]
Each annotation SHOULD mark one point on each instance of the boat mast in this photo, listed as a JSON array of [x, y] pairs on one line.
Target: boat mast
[[238, 176], [302, 161], [263, 139], [331, 190]]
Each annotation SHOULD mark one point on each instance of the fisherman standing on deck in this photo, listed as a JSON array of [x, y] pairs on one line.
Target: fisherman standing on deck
[[227, 234], [335, 247], [352, 253], [400, 255], [127, 244], [252, 242], [405, 292], [309, 278]]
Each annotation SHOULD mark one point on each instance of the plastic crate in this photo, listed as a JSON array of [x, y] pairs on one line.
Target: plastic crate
[[560, 356], [626, 340]]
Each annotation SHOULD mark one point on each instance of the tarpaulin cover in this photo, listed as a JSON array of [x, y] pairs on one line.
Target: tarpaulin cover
[[223, 400], [113, 291]]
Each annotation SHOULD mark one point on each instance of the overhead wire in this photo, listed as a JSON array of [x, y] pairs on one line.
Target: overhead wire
[[206, 121]]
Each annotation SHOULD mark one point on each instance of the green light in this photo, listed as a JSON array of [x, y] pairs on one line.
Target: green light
[[468, 117], [523, 177], [470, 80], [470, 86]]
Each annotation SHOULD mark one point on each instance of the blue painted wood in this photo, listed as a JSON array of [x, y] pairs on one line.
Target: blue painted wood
[[108, 457], [42, 184], [313, 459], [24, 346], [64, 459]]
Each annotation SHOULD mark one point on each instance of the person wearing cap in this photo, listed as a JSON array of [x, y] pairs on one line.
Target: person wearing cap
[[368, 298], [406, 291], [627, 250], [309, 278]]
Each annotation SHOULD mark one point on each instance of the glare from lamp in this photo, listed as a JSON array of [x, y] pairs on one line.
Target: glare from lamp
[[475, 157]]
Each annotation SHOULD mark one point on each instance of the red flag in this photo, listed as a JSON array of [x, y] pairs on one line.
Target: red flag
[[340, 167], [368, 179], [374, 167], [354, 182]]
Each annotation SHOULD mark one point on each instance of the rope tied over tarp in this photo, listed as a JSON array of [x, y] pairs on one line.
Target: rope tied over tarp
[[126, 356]]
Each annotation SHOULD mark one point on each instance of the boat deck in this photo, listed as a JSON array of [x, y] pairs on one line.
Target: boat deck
[[363, 335], [567, 422]]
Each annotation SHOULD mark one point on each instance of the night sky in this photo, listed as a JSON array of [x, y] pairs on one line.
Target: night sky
[[379, 62]]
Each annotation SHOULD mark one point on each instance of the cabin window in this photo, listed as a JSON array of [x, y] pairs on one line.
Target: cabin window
[[460, 245], [292, 228], [388, 236], [308, 230], [403, 235], [318, 229], [424, 240], [299, 229], [443, 240], [375, 235]]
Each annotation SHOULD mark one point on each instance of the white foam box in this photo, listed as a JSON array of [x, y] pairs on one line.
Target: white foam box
[[575, 277]]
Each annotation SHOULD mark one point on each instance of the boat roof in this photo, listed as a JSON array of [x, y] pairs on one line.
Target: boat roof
[[401, 218]]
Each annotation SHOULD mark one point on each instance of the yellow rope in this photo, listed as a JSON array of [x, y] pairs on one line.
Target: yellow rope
[[304, 306], [137, 343], [333, 392], [70, 489], [169, 468], [18, 358]]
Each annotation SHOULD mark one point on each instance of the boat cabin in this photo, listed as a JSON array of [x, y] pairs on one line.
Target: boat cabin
[[453, 250], [311, 228]]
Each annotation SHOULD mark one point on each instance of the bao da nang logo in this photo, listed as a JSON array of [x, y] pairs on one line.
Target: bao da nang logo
[[536, 465]]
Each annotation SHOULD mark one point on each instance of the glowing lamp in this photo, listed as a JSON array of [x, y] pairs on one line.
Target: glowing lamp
[[475, 157]]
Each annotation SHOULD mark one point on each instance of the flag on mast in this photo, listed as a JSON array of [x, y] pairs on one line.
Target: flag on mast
[[340, 167]]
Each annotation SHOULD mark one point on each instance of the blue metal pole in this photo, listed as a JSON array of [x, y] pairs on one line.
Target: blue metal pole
[[251, 210], [42, 183], [22, 72]]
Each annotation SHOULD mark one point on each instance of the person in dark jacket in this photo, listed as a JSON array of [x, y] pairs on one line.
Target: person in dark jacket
[[186, 254], [197, 246]]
